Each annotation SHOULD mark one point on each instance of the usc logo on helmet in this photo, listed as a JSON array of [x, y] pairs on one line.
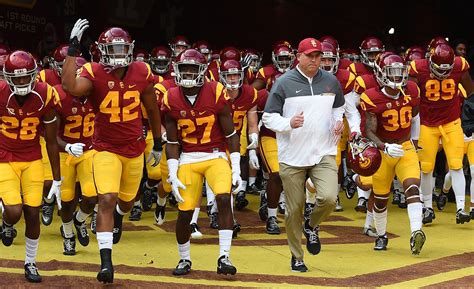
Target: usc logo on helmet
[[364, 163]]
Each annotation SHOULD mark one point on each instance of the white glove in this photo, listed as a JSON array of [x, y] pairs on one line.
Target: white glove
[[235, 164], [75, 149], [79, 27], [253, 160], [176, 184], [55, 191], [253, 138], [155, 156], [394, 150]]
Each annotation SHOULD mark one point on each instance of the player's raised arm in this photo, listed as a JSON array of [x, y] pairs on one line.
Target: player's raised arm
[[79, 86]]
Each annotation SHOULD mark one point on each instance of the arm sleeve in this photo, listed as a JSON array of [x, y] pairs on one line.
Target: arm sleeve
[[415, 127], [276, 122], [352, 114]]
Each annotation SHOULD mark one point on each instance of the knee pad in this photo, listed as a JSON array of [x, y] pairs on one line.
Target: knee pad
[[427, 167], [413, 191], [378, 200], [455, 164]]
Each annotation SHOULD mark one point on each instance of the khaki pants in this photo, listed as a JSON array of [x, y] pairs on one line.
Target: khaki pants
[[324, 177]]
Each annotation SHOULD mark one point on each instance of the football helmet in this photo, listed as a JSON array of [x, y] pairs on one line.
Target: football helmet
[[256, 58], [331, 40], [283, 57], [186, 77], [227, 70], [441, 60], [414, 52], [229, 53], [205, 49], [116, 47], [390, 70], [329, 57], [179, 44], [58, 57], [140, 54], [369, 49], [435, 41], [94, 52], [4, 51], [20, 72], [160, 59], [364, 157]]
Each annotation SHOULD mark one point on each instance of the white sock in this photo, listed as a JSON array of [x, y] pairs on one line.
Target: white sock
[[472, 186], [310, 197], [31, 248], [161, 201], [105, 239], [225, 242], [427, 189], [369, 219], [415, 214], [272, 212], [447, 182], [195, 215], [243, 187], [380, 222], [137, 204], [344, 167], [338, 188], [459, 188], [81, 216], [363, 194], [282, 197], [117, 208], [184, 250], [214, 207], [67, 229], [210, 196], [252, 180], [96, 208]]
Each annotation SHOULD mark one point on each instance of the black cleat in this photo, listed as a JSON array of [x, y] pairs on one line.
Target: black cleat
[[183, 267], [381, 243], [441, 202], [402, 204], [349, 187], [31, 273], [117, 230], [147, 197], [417, 240], [235, 229], [240, 201], [272, 226], [93, 222], [472, 214], [106, 273], [47, 211], [253, 190], [396, 197], [8, 234], [172, 200], [361, 205], [298, 266], [224, 266], [313, 245], [81, 229], [69, 244], [281, 207], [213, 221], [135, 214], [160, 214], [195, 232], [428, 215], [263, 209], [308, 210], [462, 217], [338, 207]]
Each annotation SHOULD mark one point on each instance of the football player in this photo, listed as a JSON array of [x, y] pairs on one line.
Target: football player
[[25, 105], [199, 112], [391, 119], [439, 77], [370, 48], [116, 86]]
